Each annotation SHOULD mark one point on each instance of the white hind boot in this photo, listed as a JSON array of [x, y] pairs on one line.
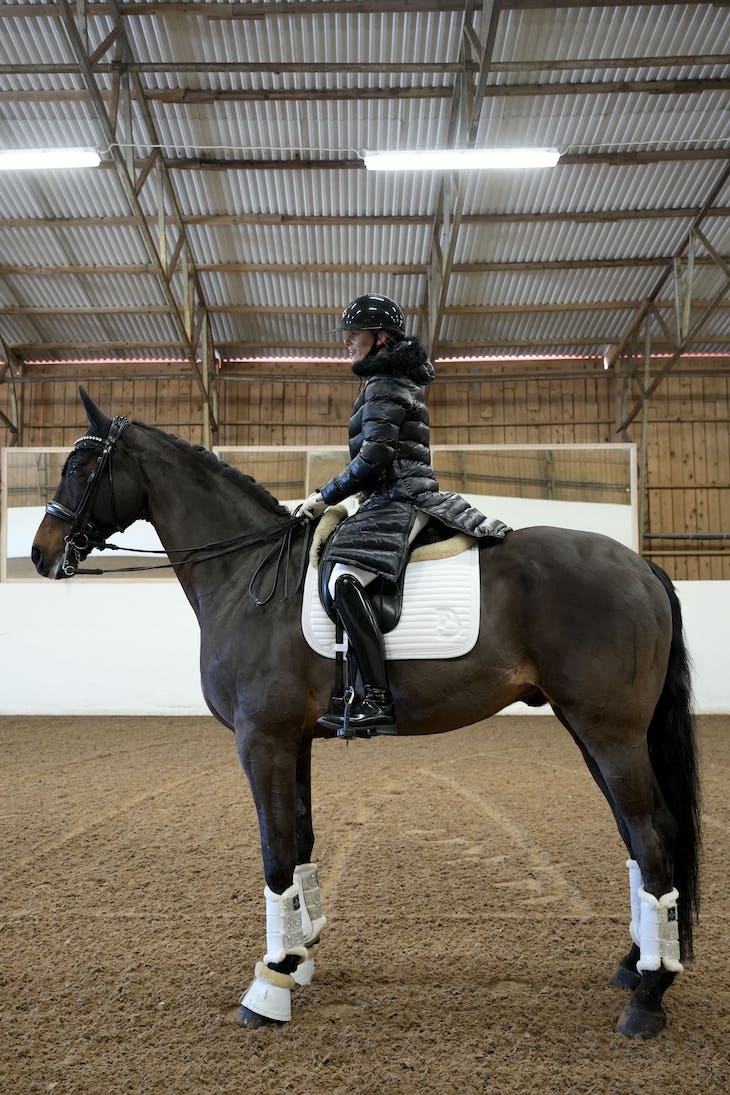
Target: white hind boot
[[659, 932]]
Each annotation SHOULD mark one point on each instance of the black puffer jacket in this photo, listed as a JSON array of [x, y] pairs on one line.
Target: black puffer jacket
[[390, 465], [389, 432]]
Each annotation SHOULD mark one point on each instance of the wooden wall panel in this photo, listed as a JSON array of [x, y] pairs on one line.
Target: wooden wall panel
[[54, 414], [509, 403], [688, 475]]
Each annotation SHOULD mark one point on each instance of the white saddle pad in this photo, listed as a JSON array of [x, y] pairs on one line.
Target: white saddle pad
[[440, 617]]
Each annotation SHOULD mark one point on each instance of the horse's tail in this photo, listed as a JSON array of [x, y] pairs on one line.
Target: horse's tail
[[673, 752]]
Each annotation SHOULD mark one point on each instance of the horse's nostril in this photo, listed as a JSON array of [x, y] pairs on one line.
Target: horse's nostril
[[35, 555]]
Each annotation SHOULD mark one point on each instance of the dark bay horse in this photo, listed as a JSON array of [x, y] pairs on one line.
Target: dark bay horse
[[572, 619]]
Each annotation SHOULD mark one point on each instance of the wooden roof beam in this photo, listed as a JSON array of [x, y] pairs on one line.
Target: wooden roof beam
[[250, 9], [705, 211], [395, 269], [270, 309], [289, 220], [189, 313], [465, 347], [393, 68], [196, 96], [626, 158], [466, 104]]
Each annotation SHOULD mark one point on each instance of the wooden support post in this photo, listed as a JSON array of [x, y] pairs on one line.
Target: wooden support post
[[643, 463]]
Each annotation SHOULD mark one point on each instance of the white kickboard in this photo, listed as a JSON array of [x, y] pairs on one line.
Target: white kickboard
[[440, 616]]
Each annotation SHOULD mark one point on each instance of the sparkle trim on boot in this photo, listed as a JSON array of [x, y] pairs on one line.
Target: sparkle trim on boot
[[284, 933], [659, 932], [313, 919]]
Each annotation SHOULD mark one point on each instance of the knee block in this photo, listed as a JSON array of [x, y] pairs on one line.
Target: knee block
[[659, 932], [310, 899]]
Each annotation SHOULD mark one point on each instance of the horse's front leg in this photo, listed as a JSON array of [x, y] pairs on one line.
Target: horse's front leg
[[273, 769]]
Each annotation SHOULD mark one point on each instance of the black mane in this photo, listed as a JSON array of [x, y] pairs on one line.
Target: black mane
[[245, 482]]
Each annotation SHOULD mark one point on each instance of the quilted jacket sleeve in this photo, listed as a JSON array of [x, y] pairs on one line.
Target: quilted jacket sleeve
[[374, 435]]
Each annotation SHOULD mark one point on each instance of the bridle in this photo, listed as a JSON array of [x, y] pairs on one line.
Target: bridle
[[83, 534]]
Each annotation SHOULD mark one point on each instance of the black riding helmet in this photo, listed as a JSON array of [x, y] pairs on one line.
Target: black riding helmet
[[373, 312]]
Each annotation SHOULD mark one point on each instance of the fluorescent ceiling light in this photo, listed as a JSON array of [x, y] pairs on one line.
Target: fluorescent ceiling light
[[47, 159], [462, 159]]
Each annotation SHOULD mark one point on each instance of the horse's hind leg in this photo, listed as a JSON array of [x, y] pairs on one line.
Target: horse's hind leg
[[651, 829], [625, 975]]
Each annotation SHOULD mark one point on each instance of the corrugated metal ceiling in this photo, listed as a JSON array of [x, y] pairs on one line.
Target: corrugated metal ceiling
[[635, 96]]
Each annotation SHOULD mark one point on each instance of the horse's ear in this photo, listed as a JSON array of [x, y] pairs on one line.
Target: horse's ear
[[97, 419]]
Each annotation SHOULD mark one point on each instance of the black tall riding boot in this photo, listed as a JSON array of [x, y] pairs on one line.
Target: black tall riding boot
[[375, 713]]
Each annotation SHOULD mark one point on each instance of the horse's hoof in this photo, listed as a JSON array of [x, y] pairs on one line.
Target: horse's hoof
[[252, 1020], [625, 977], [641, 1022]]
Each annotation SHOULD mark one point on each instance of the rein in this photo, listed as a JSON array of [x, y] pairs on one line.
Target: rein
[[216, 549], [83, 535]]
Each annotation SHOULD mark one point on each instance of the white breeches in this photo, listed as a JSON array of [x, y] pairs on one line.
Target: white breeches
[[365, 577]]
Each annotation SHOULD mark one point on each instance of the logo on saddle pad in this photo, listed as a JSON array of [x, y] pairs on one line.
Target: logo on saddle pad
[[440, 617]]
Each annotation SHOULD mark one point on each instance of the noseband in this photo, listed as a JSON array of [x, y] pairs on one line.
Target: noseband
[[83, 534]]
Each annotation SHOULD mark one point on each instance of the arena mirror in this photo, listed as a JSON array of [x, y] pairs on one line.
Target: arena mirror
[[592, 487]]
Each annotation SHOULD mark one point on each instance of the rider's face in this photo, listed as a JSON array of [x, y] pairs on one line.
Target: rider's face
[[359, 344]]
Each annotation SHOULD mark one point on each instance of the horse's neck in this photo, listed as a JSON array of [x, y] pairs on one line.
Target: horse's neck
[[192, 504]]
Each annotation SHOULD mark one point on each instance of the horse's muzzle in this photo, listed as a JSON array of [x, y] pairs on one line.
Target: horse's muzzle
[[48, 551], [47, 569]]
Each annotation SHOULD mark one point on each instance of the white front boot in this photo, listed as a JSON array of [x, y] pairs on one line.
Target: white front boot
[[634, 887], [313, 919], [269, 994], [284, 933]]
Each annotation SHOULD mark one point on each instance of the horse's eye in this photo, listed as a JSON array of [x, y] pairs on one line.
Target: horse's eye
[[75, 466]]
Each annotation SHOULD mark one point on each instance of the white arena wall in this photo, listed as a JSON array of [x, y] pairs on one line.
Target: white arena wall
[[131, 648], [91, 647]]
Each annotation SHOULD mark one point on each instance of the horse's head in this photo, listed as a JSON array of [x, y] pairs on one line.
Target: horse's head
[[94, 499]]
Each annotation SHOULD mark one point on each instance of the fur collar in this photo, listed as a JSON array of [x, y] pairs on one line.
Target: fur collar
[[407, 359]]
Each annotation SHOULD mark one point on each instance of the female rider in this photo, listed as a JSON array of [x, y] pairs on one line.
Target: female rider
[[390, 468]]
